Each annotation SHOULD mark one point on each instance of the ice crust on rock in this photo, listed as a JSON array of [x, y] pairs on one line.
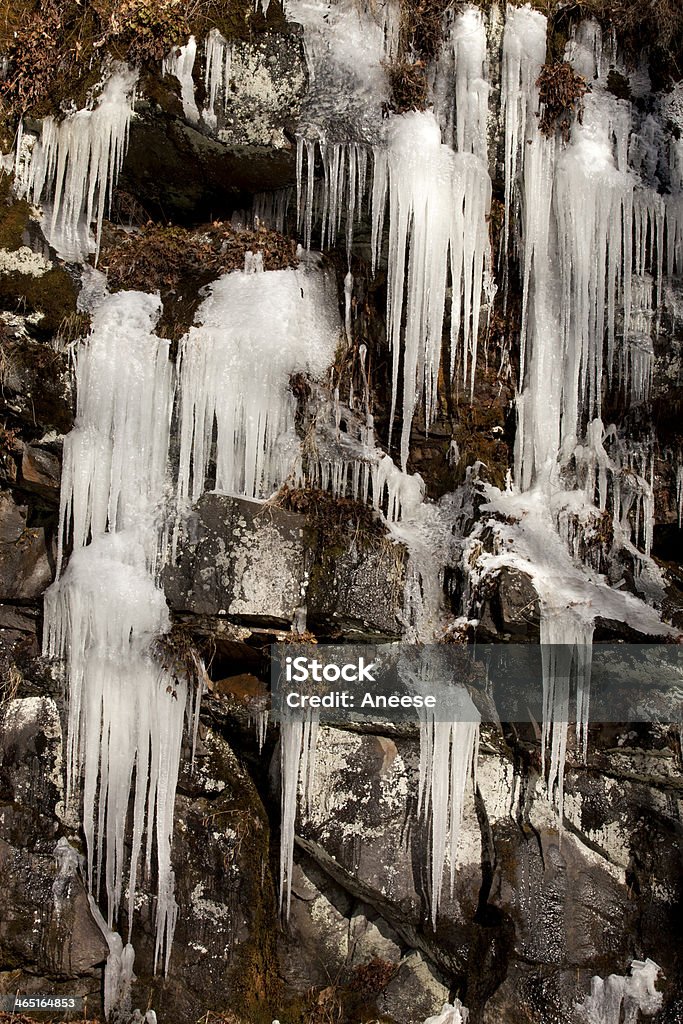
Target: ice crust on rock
[[451, 1013], [632, 994], [346, 45]]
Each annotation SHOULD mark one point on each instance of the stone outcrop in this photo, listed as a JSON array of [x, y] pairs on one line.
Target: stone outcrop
[[260, 565]]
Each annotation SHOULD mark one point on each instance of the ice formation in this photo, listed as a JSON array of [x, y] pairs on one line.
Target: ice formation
[[125, 713], [124, 382], [298, 745], [451, 1013], [524, 47], [525, 537], [438, 199], [339, 197], [566, 641], [255, 331], [438, 203], [461, 89], [345, 44], [180, 64], [591, 231], [72, 168], [630, 994], [448, 756], [217, 68], [592, 235], [118, 970]]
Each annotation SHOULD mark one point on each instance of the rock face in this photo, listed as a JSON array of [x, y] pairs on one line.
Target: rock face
[[538, 906], [534, 903], [243, 559], [196, 171], [26, 556], [260, 565], [64, 942], [226, 930]]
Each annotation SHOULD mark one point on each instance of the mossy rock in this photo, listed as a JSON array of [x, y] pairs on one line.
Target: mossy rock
[[53, 295], [36, 385], [15, 215]]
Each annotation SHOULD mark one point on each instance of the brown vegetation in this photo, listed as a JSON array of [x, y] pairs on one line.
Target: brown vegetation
[[331, 515], [421, 33], [58, 48], [178, 262], [561, 91]]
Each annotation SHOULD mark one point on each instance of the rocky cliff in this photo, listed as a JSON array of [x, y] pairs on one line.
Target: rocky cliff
[[337, 323]]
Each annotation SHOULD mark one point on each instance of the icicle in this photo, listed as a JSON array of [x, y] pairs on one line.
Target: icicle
[[404, 491], [338, 197], [438, 203], [118, 970], [524, 47], [261, 728], [460, 76], [256, 329], [270, 209], [217, 70], [298, 740], [180, 64], [634, 992], [448, 756], [348, 297], [75, 164], [471, 87], [593, 207], [566, 643]]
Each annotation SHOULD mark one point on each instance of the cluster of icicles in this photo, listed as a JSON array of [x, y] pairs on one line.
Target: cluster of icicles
[[105, 612], [126, 714], [596, 244]]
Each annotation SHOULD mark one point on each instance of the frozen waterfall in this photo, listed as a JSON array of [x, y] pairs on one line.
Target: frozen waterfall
[[125, 713]]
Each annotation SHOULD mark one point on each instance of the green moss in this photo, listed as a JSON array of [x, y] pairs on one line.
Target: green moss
[[14, 217], [53, 295]]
